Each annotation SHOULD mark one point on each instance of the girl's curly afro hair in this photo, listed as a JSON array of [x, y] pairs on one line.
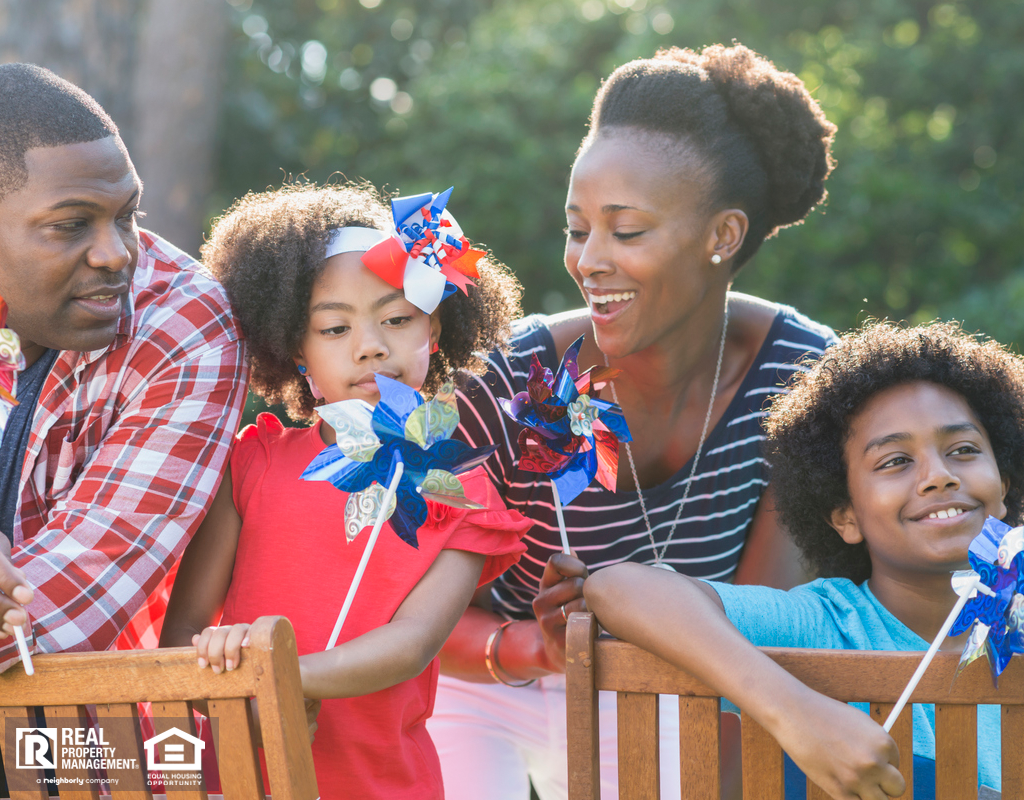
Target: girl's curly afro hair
[[808, 428], [762, 140], [268, 251]]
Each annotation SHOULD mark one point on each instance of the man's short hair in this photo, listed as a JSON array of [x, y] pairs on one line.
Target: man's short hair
[[40, 109]]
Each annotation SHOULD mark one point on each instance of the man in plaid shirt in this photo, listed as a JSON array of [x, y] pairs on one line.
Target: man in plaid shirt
[[134, 382]]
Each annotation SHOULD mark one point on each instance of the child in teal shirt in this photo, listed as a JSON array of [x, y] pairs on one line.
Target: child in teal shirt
[[887, 457]]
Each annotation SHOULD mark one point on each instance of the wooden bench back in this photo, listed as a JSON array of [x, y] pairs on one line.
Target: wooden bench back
[[851, 676], [115, 682]]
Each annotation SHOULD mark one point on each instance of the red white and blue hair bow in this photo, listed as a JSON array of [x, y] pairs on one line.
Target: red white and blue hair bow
[[425, 254]]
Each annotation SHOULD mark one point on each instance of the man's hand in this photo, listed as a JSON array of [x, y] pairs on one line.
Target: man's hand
[[16, 592]]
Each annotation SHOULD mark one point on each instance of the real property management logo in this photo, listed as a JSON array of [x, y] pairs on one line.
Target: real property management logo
[[79, 748]]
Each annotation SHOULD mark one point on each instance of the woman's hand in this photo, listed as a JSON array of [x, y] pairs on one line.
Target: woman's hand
[[842, 749], [221, 647], [15, 593], [561, 593]]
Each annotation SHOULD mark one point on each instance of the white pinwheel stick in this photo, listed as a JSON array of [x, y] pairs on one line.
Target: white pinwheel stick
[[382, 515], [26, 657], [965, 595], [561, 519]]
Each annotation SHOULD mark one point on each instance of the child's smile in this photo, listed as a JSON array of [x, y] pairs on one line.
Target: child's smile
[[922, 478]]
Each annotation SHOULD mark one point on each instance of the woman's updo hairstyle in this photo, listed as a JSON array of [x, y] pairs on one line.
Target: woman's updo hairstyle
[[763, 137]]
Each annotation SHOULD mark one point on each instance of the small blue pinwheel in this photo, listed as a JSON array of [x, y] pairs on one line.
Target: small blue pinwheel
[[568, 432], [403, 428], [996, 621]]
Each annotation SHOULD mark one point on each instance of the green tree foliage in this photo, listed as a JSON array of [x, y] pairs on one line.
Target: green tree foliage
[[925, 206]]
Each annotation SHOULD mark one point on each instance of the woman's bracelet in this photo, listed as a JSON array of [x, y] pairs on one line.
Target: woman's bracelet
[[491, 656]]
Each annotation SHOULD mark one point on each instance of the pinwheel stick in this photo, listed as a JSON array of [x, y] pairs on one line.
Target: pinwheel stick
[[561, 519], [915, 679], [382, 515], [26, 657]]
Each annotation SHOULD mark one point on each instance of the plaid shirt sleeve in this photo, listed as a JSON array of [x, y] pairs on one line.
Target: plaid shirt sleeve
[[112, 527]]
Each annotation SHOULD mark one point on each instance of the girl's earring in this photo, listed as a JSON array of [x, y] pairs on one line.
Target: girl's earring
[[317, 394], [716, 259], [434, 348]]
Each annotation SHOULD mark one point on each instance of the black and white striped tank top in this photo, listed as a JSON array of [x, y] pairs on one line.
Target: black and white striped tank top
[[608, 527]]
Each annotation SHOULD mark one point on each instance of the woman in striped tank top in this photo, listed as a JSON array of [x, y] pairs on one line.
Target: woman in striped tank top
[[691, 162]]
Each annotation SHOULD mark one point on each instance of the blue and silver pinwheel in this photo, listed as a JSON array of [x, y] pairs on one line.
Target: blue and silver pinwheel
[[402, 429], [568, 432], [995, 619]]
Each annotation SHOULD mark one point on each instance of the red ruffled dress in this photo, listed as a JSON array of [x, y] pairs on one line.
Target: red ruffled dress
[[293, 560]]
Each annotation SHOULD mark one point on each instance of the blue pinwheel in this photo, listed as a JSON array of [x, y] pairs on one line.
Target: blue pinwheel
[[371, 442], [996, 617], [989, 599], [569, 432]]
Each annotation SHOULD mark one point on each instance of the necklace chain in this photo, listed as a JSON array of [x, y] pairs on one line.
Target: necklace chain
[[696, 458]]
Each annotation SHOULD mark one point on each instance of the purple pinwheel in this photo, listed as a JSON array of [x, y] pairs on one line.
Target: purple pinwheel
[[403, 428], [996, 620], [569, 433]]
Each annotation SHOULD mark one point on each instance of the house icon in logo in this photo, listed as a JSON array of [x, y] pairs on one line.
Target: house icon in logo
[[175, 752]]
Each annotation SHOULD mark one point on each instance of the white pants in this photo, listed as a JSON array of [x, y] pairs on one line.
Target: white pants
[[493, 740]]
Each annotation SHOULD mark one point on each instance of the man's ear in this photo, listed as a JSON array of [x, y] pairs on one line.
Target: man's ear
[[845, 523]]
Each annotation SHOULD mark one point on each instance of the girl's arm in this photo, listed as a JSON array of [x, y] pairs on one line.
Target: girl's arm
[[682, 621], [404, 647], [528, 648], [205, 572]]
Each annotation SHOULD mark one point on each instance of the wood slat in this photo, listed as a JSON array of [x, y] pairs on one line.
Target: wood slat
[[76, 784], [638, 746], [956, 751], [1012, 725], [178, 715], [29, 783], [699, 737], [283, 715], [762, 763], [849, 675], [240, 775], [903, 734], [124, 676], [815, 792], [120, 724], [581, 704]]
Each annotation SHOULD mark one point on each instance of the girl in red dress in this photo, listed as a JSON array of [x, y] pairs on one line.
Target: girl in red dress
[[320, 324]]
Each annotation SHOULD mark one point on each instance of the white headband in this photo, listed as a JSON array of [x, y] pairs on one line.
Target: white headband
[[353, 240]]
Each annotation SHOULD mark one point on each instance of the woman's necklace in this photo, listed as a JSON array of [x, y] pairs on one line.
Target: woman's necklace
[[693, 470]]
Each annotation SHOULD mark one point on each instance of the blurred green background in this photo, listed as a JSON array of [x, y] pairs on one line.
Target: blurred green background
[[925, 207]]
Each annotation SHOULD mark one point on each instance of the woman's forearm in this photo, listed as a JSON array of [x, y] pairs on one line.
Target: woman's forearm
[[520, 649]]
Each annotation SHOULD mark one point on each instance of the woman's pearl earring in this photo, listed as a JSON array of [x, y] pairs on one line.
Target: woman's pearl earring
[[716, 259]]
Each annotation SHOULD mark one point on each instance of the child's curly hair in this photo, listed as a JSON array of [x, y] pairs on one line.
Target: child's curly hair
[[268, 251], [808, 428]]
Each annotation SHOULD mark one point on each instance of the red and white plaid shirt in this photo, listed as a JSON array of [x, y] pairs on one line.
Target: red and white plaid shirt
[[127, 449]]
